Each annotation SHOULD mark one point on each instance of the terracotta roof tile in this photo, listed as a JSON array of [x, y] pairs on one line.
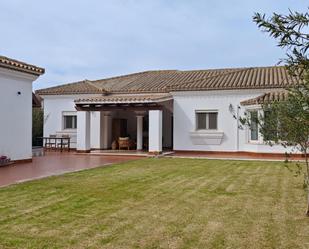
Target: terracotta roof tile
[[16, 65], [266, 98], [125, 98], [173, 80], [246, 78], [81, 87]]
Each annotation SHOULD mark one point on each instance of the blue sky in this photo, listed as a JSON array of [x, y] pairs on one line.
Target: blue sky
[[75, 40]]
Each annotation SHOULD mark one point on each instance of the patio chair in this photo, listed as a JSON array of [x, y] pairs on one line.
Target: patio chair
[[125, 142], [51, 142]]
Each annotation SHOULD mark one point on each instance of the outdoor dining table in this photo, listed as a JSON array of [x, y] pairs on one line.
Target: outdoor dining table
[[56, 139]]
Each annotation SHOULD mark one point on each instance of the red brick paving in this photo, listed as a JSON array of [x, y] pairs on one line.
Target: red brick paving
[[55, 163]]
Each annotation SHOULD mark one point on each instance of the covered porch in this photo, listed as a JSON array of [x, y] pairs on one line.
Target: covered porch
[[140, 123]]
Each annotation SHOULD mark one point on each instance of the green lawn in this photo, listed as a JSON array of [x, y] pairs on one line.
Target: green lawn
[[159, 203]]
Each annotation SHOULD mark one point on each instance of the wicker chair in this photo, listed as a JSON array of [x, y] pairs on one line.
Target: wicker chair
[[125, 142]]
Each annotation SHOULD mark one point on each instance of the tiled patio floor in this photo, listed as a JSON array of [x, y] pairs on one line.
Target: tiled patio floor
[[55, 163]]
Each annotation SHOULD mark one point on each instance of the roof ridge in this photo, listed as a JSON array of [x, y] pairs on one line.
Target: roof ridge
[[138, 73], [88, 82], [232, 68], [65, 84], [94, 85]]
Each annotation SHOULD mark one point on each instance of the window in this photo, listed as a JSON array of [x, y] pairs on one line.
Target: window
[[69, 121], [254, 130], [201, 121], [272, 125], [206, 120]]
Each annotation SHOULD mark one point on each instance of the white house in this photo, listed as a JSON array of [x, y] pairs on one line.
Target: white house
[[176, 110], [16, 79]]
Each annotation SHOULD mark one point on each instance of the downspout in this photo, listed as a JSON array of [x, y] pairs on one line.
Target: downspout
[[237, 132]]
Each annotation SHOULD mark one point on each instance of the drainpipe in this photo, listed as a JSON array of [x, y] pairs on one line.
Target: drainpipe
[[237, 133]]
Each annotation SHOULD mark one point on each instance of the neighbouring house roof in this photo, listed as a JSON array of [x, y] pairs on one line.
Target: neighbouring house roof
[[128, 99], [266, 98], [36, 101], [173, 80], [20, 66]]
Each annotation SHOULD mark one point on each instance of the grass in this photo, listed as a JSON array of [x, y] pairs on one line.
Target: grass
[[159, 203]]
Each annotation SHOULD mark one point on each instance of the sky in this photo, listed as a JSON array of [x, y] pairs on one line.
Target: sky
[[94, 39]]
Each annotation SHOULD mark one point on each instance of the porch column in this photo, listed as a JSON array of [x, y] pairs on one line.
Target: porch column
[[95, 130], [139, 132], [106, 130], [155, 131], [83, 131]]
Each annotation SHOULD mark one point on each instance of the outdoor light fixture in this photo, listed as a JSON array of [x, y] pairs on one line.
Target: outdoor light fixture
[[231, 108]]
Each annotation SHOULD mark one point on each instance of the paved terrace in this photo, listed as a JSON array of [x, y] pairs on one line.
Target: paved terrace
[[55, 163]]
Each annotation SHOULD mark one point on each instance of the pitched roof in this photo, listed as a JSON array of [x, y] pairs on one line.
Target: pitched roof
[[20, 66], [243, 78], [266, 98], [80, 87], [125, 98], [174, 80]]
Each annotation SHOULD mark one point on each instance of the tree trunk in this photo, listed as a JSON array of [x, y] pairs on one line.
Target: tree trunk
[[307, 212], [307, 181]]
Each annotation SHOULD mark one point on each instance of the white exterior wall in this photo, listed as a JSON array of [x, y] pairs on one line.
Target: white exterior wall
[[54, 107], [185, 106], [16, 114]]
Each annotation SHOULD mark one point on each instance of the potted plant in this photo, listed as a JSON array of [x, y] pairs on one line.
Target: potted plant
[[4, 160]]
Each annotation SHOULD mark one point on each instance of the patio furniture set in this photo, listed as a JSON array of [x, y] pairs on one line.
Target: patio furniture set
[[54, 142], [126, 143]]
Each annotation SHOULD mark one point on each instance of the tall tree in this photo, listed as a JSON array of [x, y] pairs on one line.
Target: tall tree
[[287, 121], [37, 126]]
